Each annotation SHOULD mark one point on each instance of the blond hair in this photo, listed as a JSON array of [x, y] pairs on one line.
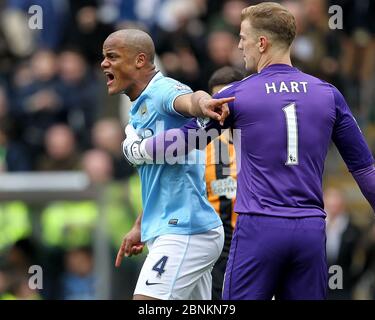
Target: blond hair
[[272, 18]]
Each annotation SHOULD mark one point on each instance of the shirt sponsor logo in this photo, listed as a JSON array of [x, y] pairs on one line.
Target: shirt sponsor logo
[[224, 187]]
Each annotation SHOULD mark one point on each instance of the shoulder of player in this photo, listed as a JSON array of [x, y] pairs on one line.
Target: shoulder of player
[[312, 79], [317, 80], [230, 89], [337, 96], [170, 83]]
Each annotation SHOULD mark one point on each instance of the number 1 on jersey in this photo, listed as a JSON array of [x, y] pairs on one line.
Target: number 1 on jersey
[[292, 134]]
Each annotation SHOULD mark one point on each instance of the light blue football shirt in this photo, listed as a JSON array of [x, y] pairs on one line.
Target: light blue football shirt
[[173, 196]]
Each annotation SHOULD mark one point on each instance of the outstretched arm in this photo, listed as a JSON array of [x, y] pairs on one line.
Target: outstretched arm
[[353, 148], [171, 144], [196, 134], [200, 104]]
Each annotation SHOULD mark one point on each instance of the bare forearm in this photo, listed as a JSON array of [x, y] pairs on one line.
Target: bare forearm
[[196, 99]]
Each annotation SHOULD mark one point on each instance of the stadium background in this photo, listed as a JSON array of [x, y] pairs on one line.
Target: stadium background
[[55, 116]]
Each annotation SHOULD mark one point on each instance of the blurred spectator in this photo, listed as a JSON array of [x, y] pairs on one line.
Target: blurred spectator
[[317, 48], [229, 19], [222, 51], [20, 289], [221, 169], [3, 102], [61, 153], [14, 156], [5, 284], [68, 224], [180, 40], [175, 14], [358, 56], [15, 286], [15, 34], [141, 12], [79, 92], [21, 255], [55, 19], [182, 65], [365, 289], [78, 280], [87, 31], [343, 240], [37, 104], [98, 166], [7, 58], [18, 259], [108, 135], [121, 209], [15, 224]]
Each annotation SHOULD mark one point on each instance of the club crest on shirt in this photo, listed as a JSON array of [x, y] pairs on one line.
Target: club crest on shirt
[[143, 112], [224, 187]]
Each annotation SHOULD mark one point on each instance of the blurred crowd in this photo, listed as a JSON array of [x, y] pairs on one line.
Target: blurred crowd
[[51, 85], [55, 114]]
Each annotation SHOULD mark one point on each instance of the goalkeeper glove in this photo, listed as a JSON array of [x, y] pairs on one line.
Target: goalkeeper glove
[[133, 147]]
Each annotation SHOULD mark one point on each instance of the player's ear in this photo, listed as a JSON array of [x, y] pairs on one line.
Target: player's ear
[[140, 60], [262, 44]]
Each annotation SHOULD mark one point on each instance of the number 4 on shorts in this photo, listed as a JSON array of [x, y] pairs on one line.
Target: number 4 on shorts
[[160, 265]]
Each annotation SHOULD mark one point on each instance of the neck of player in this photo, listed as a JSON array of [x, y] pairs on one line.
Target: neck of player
[[140, 83], [276, 56]]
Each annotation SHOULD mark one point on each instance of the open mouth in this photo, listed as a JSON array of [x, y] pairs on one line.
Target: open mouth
[[110, 77]]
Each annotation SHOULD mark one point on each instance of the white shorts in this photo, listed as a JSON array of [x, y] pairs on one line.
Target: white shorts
[[178, 267]]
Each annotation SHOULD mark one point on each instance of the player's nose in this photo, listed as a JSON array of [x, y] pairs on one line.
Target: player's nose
[[240, 45], [105, 63]]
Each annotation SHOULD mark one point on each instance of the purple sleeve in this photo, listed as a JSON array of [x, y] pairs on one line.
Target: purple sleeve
[[180, 141], [365, 179], [348, 137], [195, 134]]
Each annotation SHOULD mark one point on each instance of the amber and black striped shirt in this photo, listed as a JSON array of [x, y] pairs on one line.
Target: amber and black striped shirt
[[221, 180]]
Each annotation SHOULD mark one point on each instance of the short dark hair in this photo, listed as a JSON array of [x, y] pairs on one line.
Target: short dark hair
[[224, 76]]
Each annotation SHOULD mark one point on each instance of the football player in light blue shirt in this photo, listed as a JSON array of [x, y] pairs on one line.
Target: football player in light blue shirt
[[173, 200], [173, 196]]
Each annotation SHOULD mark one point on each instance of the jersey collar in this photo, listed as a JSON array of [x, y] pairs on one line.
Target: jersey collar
[[278, 67], [156, 76]]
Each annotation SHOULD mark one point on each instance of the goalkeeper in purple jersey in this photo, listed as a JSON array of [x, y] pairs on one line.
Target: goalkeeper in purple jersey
[[286, 119]]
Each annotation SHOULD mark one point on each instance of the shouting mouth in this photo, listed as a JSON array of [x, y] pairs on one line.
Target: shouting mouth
[[110, 77]]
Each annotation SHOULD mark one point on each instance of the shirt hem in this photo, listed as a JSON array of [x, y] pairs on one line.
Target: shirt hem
[[185, 231]]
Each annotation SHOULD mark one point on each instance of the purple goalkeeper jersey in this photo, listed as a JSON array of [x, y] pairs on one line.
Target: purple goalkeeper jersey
[[287, 119]]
